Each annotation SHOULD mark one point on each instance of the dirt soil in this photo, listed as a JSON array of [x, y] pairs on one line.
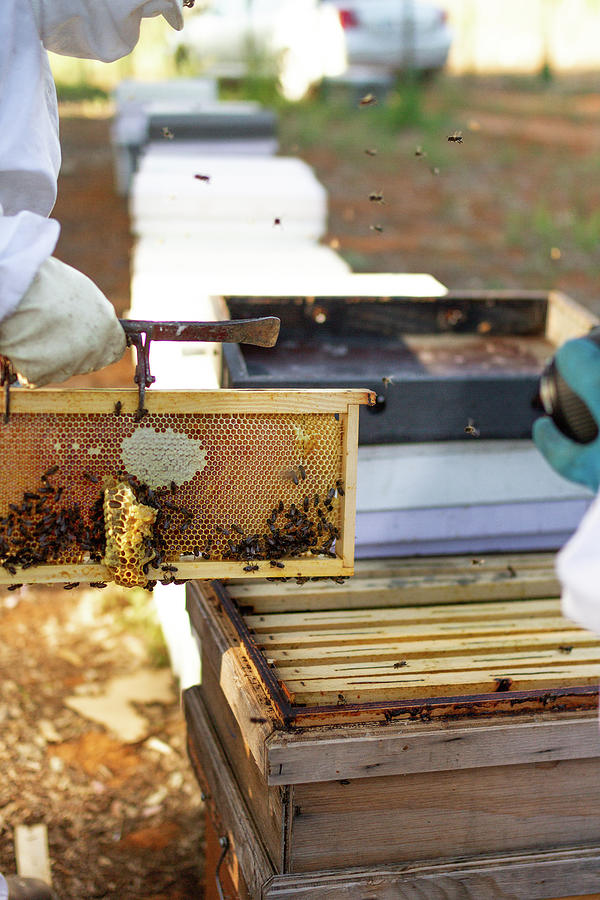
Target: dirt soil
[[515, 205]]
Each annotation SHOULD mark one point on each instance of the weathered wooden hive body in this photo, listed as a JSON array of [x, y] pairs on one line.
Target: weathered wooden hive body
[[426, 730]]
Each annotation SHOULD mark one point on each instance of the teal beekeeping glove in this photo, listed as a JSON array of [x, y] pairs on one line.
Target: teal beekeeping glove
[[578, 362]]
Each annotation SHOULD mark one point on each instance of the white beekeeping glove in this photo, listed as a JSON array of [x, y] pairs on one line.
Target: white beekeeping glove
[[63, 326]]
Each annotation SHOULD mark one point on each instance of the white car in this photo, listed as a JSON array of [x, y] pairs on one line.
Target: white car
[[301, 41], [395, 35]]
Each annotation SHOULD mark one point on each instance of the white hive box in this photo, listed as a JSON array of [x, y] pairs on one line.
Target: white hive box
[[462, 497], [129, 131], [252, 197], [175, 281], [181, 90]]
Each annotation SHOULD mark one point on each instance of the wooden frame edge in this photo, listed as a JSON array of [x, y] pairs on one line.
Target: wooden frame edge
[[49, 400]]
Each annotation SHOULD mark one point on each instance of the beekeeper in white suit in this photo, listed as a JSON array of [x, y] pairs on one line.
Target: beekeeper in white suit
[[54, 321]]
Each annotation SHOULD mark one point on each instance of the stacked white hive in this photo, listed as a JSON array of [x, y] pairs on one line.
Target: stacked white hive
[[251, 215]]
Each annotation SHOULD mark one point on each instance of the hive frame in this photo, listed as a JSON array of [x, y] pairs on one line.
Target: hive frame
[[342, 403]]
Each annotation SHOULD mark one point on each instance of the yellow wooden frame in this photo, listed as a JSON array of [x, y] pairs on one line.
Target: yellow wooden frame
[[344, 403]]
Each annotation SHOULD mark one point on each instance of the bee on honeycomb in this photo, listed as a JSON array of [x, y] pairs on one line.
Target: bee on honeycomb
[[129, 528]]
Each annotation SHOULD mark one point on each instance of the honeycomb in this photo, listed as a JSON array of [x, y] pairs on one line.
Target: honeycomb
[[214, 473], [129, 529]]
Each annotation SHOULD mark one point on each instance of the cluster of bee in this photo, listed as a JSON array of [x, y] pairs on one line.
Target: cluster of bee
[[40, 529], [291, 532]]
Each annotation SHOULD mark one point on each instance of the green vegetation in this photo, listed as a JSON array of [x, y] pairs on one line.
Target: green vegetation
[[76, 92]]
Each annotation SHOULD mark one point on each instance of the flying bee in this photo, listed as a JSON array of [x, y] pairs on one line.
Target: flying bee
[[478, 562], [167, 133], [376, 197], [455, 137], [434, 170], [371, 151], [470, 428], [367, 100], [420, 153], [276, 221], [204, 178], [377, 228], [452, 316], [118, 408]]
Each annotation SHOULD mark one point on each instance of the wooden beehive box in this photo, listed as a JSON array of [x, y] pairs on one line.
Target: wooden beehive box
[[435, 362], [253, 482], [429, 729]]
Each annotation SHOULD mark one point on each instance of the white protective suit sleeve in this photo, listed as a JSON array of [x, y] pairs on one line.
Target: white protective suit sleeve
[[99, 29], [578, 568], [29, 146], [29, 153]]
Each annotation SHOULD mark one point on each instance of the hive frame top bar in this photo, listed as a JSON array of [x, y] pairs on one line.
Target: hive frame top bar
[[48, 400]]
